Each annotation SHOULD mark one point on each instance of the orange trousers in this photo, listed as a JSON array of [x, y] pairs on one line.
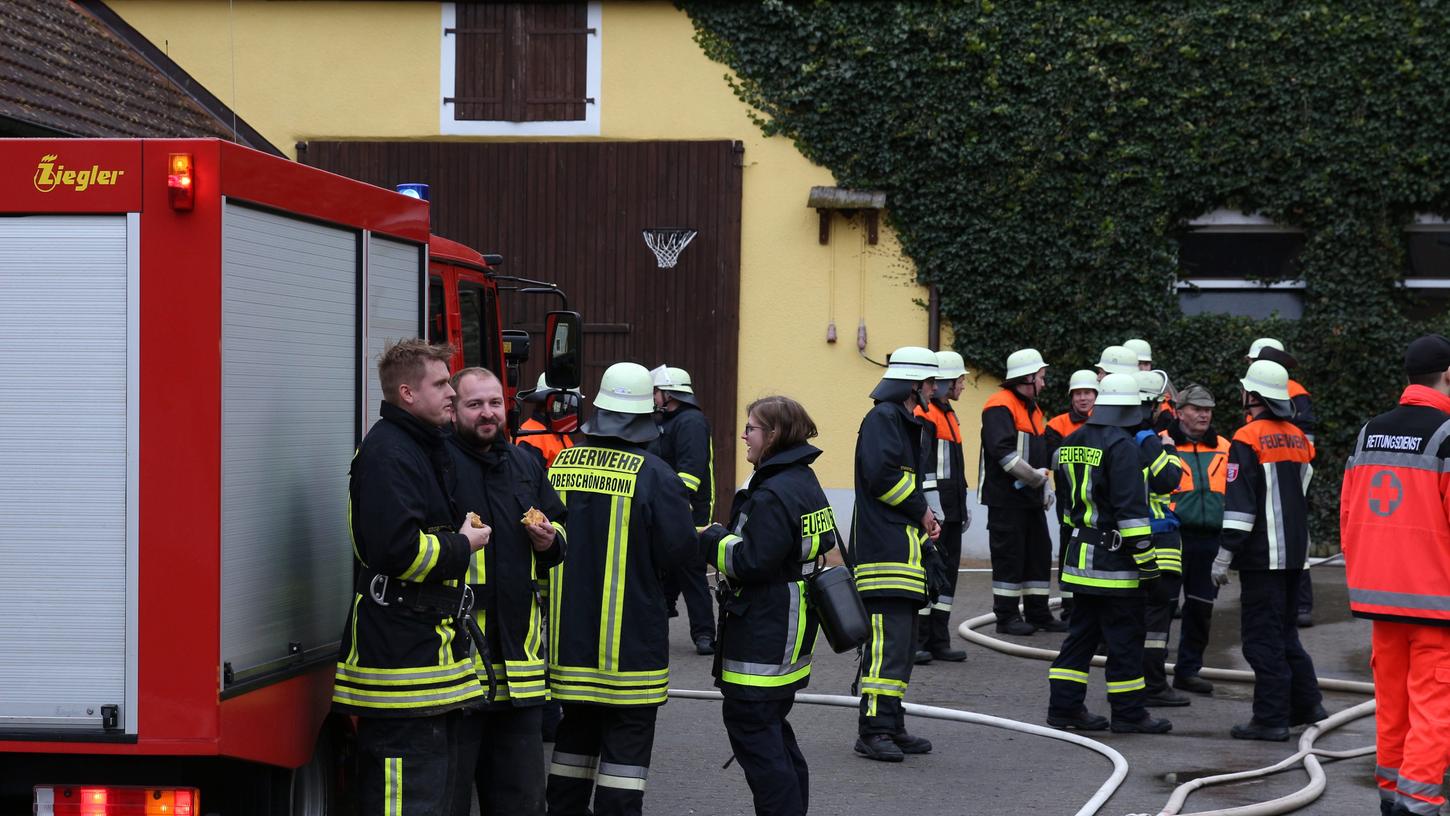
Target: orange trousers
[[1412, 717]]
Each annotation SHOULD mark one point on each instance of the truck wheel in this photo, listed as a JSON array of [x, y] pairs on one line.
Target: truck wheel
[[313, 787]]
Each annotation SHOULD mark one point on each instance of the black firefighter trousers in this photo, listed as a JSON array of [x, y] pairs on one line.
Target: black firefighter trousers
[[935, 634], [504, 746], [1285, 685], [886, 661], [766, 748], [1199, 594], [1021, 562], [410, 766], [602, 752], [1117, 621], [1158, 614]]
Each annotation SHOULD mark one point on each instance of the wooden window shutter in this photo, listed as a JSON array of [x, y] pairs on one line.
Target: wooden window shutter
[[520, 62]]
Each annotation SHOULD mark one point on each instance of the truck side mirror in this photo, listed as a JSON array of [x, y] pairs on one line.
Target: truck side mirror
[[564, 333], [515, 354]]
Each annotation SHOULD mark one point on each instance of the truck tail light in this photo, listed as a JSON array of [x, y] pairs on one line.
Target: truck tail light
[[114, 800], [179, 182]]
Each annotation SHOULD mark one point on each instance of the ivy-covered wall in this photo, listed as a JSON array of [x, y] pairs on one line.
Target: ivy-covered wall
[[1039, 159]]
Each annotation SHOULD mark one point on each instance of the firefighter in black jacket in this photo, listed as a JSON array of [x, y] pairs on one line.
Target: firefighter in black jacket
[[1015, 490], [944, 483], [1162, 473], [404, 669], [891, 530], [1109, 557], [609, 654], [685, 445], [1266, 538], [779, 523], [1267, 348], [501, 482]]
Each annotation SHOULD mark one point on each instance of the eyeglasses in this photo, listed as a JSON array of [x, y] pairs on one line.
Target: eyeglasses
[[749, 428]]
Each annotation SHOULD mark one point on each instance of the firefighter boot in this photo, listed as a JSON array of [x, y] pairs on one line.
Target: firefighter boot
[[1083, 720], [879, 747], [1147, 725], [1255, 730], [910, 744]]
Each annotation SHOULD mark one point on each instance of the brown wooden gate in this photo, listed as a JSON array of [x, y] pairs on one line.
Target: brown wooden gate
[[571, 213]]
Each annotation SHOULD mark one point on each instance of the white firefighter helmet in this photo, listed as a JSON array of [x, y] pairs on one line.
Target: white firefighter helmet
[[1268, 379], [626, 388], [1141, 348], [911, 363], [1081, 379], [674, 381], [1151, 384], [950, 366], [1118, 389], [1261, 344], [1118, 360], [1118, 402], [1023, 362]]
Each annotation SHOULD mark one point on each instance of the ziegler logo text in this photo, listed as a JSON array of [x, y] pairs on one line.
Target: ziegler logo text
[[49, 175]]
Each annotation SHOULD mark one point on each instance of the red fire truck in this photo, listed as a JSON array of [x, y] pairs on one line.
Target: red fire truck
[[189, 329]]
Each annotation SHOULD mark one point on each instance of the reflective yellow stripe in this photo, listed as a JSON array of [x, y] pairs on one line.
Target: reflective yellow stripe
[[393, 786], [1120, 686], [691, 481], [1158, 464], [352, 648], [765, 681], [611, 613], [800, 625], [425, 560], [425, 699], [1071, 675], [898, 493]]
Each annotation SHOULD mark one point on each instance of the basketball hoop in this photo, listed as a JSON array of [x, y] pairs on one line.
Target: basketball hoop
[[667, 244]]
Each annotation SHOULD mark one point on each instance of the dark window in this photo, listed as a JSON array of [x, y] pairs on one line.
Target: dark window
[[520, 62], [1429, 254], [437, 312], [1229, 272], [1250, 256], [479, 317], [1427, 273]]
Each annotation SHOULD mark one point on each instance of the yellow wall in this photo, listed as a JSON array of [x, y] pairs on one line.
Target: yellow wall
[[311, 70]]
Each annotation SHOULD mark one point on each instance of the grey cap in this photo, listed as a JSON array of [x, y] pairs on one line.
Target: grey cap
[[1196, 394]]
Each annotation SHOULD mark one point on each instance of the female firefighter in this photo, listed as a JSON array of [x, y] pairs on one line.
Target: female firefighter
[[779, 523]]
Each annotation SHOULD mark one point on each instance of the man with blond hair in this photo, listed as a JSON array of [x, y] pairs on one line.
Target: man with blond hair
[[405, 671]]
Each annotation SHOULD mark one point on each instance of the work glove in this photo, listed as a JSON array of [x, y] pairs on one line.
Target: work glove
[[938, 575], [1047, 497], [1219, 570]]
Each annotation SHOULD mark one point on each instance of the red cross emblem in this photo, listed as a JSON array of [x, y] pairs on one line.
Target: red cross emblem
[[1385, 493]]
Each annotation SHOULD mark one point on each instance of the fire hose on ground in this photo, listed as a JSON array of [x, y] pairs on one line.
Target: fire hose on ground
[[1120, 764], [1307, 754]]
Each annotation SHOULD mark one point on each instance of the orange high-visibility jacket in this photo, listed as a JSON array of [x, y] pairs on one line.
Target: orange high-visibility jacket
[[1394, 512]]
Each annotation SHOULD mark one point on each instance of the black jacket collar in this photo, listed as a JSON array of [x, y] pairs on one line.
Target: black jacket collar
[[492, 459], [424, 434], [802, 454]]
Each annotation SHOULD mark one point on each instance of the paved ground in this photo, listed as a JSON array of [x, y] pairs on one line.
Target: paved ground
[[981, 770]]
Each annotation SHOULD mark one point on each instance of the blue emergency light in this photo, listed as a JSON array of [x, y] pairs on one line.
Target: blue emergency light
[[418, 191]]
